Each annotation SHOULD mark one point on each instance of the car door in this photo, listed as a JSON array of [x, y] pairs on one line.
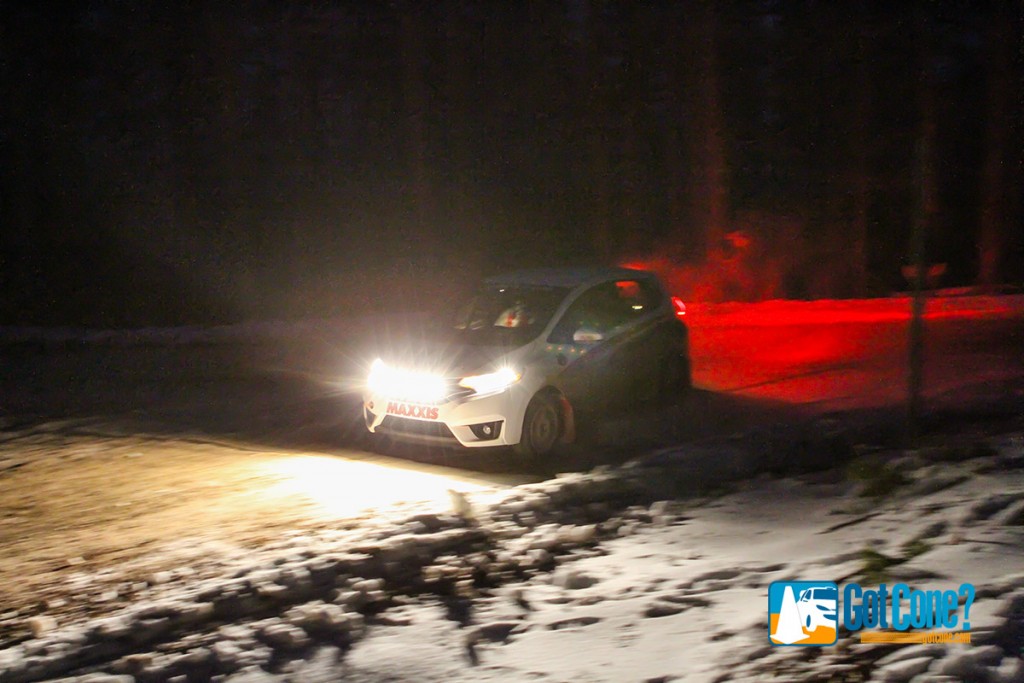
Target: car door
[[603, 341]]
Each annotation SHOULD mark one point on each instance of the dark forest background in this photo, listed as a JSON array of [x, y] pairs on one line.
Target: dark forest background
[[169, 163]]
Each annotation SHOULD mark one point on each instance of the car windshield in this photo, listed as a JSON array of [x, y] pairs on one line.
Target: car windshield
[[507, 315]]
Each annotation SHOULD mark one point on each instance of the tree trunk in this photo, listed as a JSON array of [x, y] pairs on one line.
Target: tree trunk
[[861, 171], [416, 103], [597, 141], [709, 192], [994, 189], [680, 227], [926, 209]]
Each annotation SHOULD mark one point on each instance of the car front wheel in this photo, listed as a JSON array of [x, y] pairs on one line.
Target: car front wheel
[[542, 426]]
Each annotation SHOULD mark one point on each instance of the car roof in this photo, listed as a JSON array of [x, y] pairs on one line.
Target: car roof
[[564, 277]]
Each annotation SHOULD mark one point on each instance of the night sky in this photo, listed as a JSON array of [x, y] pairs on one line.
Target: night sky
[[197, 162]]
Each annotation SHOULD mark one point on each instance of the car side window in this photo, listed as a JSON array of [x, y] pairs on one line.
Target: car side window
[[600, 312], [639, 296]]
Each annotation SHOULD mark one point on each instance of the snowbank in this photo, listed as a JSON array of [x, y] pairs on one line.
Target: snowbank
[[594, 576]]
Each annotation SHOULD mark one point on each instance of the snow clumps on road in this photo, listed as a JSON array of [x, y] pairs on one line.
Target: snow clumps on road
[[635, 573]]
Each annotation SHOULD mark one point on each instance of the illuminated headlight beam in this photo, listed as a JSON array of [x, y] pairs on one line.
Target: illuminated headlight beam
[[420, 387], [492, 382], [341, 487]]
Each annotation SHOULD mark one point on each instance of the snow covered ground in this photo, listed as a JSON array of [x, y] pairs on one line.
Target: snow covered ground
[[650, 572]]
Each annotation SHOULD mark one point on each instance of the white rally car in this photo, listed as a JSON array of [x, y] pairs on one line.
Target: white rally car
[[817, 607], [528, 354]]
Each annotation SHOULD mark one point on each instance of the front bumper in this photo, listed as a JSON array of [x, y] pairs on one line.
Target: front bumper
[[470, 421]]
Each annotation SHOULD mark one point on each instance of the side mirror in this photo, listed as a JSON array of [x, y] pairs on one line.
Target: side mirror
[[587, 335]]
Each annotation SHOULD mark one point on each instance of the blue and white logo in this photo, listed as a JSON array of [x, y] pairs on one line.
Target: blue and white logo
[[803, 613]]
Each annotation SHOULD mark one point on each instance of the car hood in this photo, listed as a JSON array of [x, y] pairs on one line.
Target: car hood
[[448, 357]]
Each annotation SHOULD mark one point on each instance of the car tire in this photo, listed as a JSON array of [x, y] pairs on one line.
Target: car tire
[[542, 427], [377, 443]]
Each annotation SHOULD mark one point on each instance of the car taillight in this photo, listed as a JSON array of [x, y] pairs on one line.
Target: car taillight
[[680, 307]]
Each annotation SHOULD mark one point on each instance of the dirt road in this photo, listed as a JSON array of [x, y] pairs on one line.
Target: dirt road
[[124, 468]]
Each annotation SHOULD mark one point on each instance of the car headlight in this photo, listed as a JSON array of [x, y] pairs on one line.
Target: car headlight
[[380, 377], [419, 387], [492, 382]]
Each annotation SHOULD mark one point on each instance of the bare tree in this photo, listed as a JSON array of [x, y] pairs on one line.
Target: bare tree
[[461, 53], [924, 217], [861, 167], [598, 139], [995, 190], [674, 141], [416, 101], [709, 189]]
